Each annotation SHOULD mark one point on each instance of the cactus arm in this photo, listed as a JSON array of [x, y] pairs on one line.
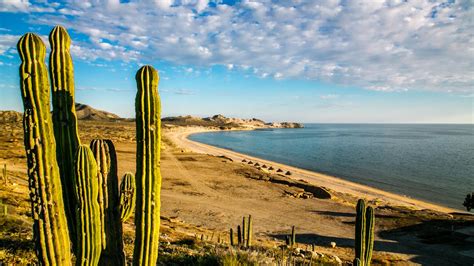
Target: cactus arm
[[369, 234], [127, 196], [87, 211], [360, 230], [148, 177], [49, 226], [64, 116]]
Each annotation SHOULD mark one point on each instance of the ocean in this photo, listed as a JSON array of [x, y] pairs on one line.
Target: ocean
[[434, 163]]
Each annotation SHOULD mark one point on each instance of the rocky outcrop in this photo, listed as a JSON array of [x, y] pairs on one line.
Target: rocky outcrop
[[10, 116]]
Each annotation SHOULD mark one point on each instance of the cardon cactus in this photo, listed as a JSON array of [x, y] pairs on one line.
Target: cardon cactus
[[127, 196], [293, 236], [87, 211], [50, 226], [249, 231], [369, 234], [148, 176], [64, 116], [239, 235], [231, 237], [356, 262], [108, 199], [360, 230], [244, 231], [364, 233]]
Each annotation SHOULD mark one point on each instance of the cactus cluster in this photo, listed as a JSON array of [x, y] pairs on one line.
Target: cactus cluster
[[74, 190], [364, 233], [244, 233]]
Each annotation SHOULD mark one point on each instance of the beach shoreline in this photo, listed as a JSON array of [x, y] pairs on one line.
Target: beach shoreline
[[180, 136]]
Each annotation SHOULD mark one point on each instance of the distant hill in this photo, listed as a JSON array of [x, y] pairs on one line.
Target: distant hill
[[85, 112], [10, 116], [225, 122]]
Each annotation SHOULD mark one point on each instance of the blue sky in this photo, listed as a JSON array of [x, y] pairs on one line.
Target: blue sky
[[372, 61]]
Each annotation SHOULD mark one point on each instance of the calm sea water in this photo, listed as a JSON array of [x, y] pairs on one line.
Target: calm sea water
[[434, 163]]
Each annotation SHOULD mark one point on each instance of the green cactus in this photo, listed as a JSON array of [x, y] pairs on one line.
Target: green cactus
[[239, 235], [109, 203], [244, 231], [364, 233], [231, 237], [148, 176], [249, 231], [64, 116], [50, 229], [127, 196], [360, 230], [369, 234], [87, 211], [293, 236]]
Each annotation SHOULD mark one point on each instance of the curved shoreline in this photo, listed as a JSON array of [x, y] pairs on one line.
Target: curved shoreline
[[180, 137]]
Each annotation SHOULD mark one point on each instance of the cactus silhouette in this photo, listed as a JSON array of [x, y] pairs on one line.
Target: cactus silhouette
[[244, 231], [127, 196], [239, 235], [231, 237], [109, 203], [64, 116], [148, 176], [50, 229], [87, 211], [364, 233]]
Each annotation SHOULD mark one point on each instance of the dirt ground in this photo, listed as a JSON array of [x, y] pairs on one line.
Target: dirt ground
[[214, 193]]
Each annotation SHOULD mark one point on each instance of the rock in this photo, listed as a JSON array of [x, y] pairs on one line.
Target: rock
[[244, 161], [333, 244], [279, 170], [337, 259], [288, 173]]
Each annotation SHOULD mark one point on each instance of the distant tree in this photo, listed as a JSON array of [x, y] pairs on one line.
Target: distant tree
[[469, 202]]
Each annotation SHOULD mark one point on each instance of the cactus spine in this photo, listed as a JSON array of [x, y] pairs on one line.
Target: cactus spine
[[148, 179], [64, 116], [249, 231], [127, 196], [108, 198], [364, 233], [50, 226], [87, 212]]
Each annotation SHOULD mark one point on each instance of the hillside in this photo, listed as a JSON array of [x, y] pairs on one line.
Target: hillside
[[86, 112]]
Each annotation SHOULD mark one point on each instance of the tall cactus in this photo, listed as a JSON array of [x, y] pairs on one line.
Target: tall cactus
[[364, 233], [293, 236], [109, 203], [244, 231], [249, 232], [360, 230], [64, 116], [50, 226], [148, 179], [369, 234], [231, 237], [87, 212], [127, 196], [239, 236]]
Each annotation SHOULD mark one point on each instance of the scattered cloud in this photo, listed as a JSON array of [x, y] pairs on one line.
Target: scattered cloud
[[179, 91], [390, 45], [329, 96]]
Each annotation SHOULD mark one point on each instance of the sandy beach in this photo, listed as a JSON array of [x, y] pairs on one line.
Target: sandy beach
[[180, 137]]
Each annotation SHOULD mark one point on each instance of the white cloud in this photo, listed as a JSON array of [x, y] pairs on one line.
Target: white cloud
[[329, 96], [381, 45]]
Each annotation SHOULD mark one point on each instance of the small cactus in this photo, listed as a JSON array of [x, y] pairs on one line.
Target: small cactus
[[249, 232], [87, 213], [364, 233], [127, 196], [231, 237], [239, 235], [244, 231], [108, 199], [50, 229], [293, 236]]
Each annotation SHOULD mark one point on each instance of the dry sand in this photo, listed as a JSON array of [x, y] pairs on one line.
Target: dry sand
[[180, 137]]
